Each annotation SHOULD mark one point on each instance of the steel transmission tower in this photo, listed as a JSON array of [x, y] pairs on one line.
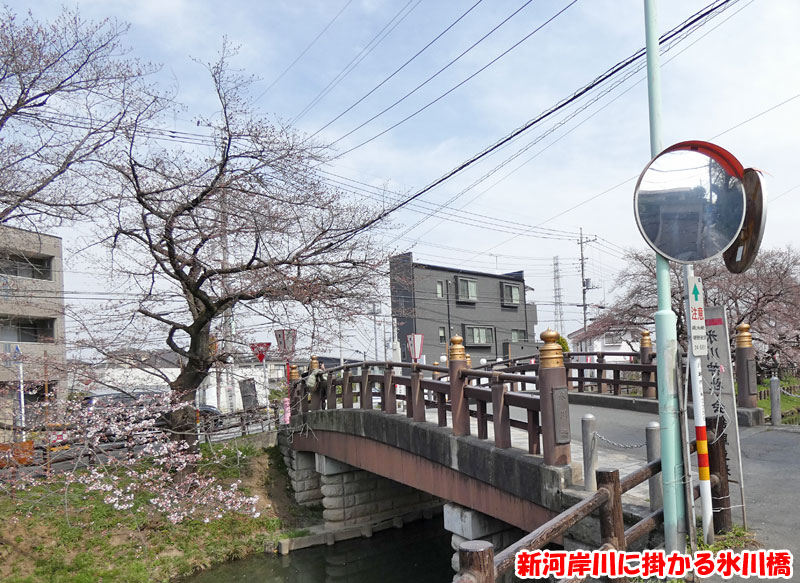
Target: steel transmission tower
[[559, 304]]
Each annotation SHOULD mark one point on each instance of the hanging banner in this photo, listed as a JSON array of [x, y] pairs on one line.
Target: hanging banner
[[718, 393]]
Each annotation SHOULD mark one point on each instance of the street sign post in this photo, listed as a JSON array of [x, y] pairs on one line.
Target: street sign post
[[696, 317]]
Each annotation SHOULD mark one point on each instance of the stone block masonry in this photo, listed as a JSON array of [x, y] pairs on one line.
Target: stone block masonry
[[303, 474], [354, 497]]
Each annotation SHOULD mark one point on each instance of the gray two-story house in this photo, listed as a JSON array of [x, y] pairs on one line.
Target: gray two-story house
[[489, 311]]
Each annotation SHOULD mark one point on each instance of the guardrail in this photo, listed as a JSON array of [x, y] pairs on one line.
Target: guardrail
[[479, 564]]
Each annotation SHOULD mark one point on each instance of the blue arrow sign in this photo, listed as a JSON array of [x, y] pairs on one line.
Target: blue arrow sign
[[696, 293]]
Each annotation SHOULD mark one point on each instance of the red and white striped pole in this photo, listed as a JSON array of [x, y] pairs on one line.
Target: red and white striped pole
[[697, 347]]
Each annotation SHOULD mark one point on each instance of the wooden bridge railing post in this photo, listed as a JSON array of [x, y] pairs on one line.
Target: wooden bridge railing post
[[601, 359], [416, 397], [365, 390], [456, 361], [330, 391], [475, 562], [646, 357], [500, 414], [554, 401], [746, 380], [612, 526], [316, 394], [718, 464], [390, 398], [347, 390]]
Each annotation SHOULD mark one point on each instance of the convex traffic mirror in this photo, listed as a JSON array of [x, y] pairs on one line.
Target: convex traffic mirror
[[690, 201]]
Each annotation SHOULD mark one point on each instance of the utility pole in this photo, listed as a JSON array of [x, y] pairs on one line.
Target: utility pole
[[375, 326], [585, 283]]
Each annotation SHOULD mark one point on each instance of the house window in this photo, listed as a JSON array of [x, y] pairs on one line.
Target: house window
[[510, 294], [21, 266], [613, 337], [519, 336], [439, 289], [467, 290], [27, 329], [442, 335], [479, 335]]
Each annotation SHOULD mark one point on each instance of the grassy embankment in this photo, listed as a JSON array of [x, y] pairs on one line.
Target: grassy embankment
[[55, 534]]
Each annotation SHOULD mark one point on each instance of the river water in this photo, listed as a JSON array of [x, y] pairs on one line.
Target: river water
[[419, 552]]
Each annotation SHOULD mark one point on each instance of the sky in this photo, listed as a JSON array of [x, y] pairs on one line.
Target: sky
[[733, 81]]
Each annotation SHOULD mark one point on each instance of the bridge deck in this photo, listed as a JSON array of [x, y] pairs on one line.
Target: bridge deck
[[619, 460]]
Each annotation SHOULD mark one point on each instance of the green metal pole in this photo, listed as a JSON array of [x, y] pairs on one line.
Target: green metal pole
[[666, 329]]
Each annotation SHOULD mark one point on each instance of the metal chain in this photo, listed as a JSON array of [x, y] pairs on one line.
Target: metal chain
[[785, 392], [619, 445]]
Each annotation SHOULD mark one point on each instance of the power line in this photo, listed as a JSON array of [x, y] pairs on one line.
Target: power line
[[376, 40], [622, 65], [304, 51], [396, 71], [449, 91], [436, 74]]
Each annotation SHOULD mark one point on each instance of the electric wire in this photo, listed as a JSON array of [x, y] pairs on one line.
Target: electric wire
[[396, 71], [376, 40], [304, 51]]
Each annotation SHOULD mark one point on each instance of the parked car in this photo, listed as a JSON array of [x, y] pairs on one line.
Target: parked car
[[209, 418]]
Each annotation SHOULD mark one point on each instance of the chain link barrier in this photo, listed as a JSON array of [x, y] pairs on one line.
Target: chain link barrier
[[619, 445]]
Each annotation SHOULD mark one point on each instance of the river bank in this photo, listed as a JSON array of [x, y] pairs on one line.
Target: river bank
[[60, 532]]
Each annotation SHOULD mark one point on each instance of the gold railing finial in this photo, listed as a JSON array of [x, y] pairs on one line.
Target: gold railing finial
[[552, 355], [456, 351], [646, 341], [744, 339], [294, 373], [314, 363]]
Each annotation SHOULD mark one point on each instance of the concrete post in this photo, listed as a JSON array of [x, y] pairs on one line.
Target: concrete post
[[653, 439], [747, 396], [554, 401], [775, 399], [588, 430], [457, 361], [646, 357]]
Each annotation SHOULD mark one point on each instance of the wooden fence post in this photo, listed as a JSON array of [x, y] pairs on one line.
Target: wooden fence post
[[612, 526], [475, 562], [554, 401], [646, 357], [500, 414], [457, 361], [746, 381], [718, 464]]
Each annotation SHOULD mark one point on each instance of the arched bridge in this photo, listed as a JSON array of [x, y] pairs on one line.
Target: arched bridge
[[442, 443]]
